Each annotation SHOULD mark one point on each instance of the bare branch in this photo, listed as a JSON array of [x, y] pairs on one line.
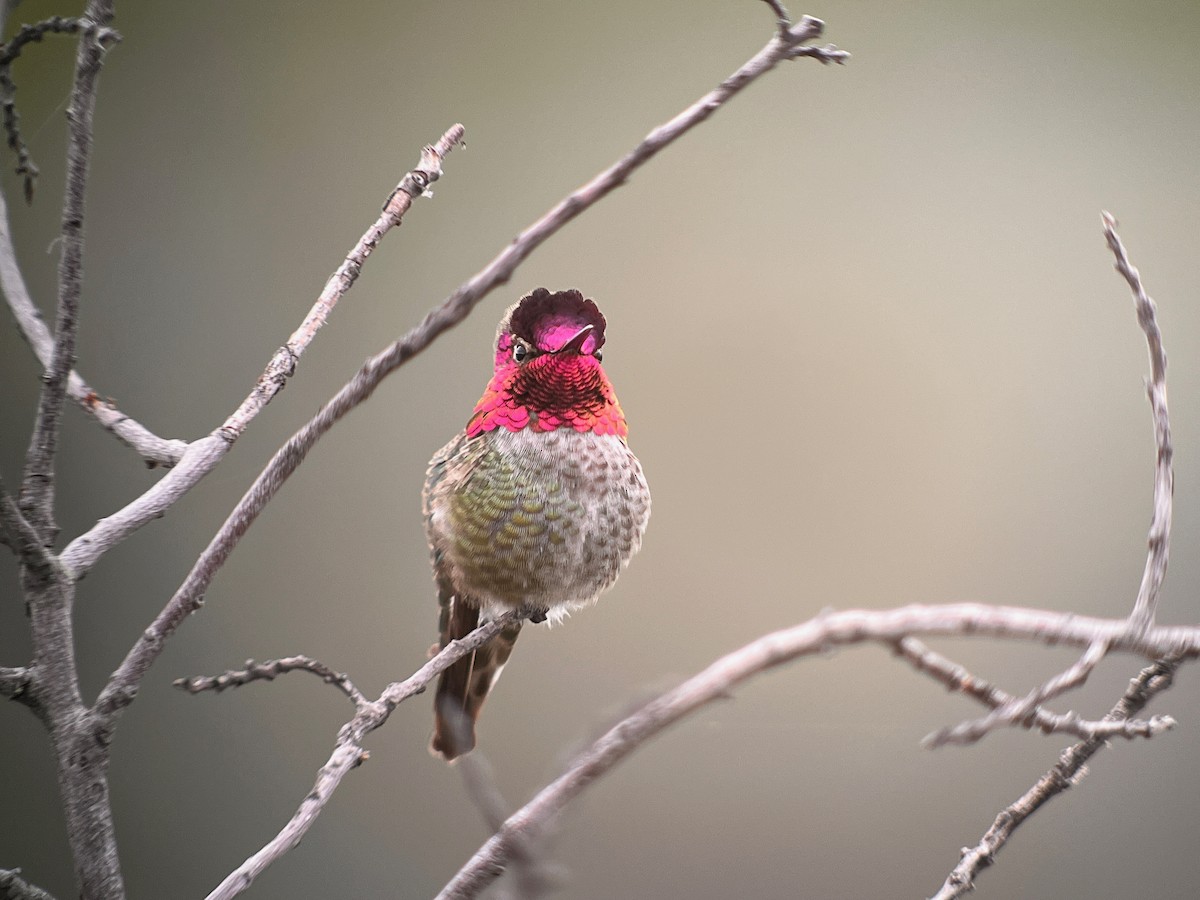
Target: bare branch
[[83, 551], [1159, 539], [1019, 710], [33, 34], [202, 456], [534, 873], [348, 754], [269, 671], [1070, 769], [20, 536], [28, 34], [830, 629], [14, 682], [14, 887], [154, 450], [37, 486], [957, 678]]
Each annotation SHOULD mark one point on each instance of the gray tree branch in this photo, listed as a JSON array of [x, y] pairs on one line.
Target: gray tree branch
[[1159, 539], [37, 485], [348, 754], [14, 887], [156, 451], [1070, 768], [830, 629], [269, 671], [202, 455], [1018, 709], [957, 678], [1145, 605]]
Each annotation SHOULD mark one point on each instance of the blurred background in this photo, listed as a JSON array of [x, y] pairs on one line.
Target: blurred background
[[871, 348]]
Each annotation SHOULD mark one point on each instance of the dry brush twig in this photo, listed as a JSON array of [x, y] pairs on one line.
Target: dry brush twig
[[957, 678], [37, 484], [828, 630], [1159, 538], [14, 887], [348, 753], [1070, 768], [269, 671], [202, 455], [1142, 616], [156, 451]]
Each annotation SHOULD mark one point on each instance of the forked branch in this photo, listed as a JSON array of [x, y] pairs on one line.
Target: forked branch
[[348, 753], [1152, 680]]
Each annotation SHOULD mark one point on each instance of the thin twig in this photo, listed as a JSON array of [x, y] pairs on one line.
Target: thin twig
[[14, 887], [202, 455], [1020, 709], [1070, 768], [122, 686], [32, 34], [28, 34], [156, 451], [14, 682], [830, 629], [37, 485], [17, 534], [269, 671], [348, 754], [1159, 539], [957, 678]]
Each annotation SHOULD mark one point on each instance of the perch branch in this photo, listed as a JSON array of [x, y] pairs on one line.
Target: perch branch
[[37, 485], [14, 887], [348, 754], [1069, 770], [957, 678], [1159, 539], [830, 629], [269, 671], [122, 686], [202, 455], [1017, 710], [156, 451]]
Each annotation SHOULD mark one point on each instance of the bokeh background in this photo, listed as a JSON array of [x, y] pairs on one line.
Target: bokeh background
[[872, 351]]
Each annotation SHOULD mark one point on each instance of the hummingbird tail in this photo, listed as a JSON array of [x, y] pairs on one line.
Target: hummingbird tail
[[464, 686]]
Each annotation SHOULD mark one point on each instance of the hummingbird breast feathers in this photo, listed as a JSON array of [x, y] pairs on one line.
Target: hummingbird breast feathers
[[540, 520]]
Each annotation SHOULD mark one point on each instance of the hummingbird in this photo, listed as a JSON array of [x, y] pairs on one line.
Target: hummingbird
[[536, 505]]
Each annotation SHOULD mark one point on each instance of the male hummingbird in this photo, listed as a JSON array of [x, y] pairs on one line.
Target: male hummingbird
[[537, 504]]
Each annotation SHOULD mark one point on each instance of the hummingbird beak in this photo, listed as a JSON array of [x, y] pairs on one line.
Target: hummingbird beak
[[575, 344]]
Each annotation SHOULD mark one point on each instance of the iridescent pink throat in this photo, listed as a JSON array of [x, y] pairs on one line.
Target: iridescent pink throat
[[549, 392]]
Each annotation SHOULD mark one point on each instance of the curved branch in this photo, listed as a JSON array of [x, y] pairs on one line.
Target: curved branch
[[1159, 539], [202, 456], [1070, 768], [269, 671], [830, 629], [1019, 709], [156, 451], [956, 678], [348, 754]]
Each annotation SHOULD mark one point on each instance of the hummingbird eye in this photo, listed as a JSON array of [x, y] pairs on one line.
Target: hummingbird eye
[[519, 352], [599, 354]]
